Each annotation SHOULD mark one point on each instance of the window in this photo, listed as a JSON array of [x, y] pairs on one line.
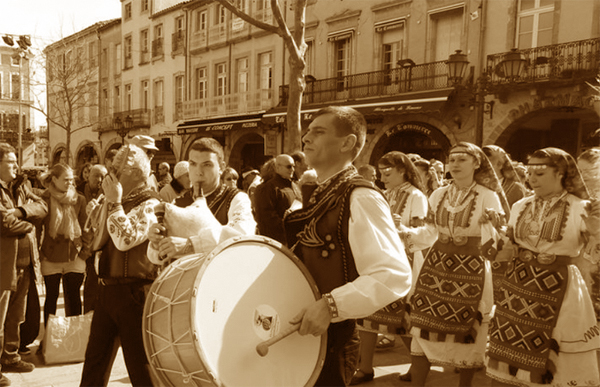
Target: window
[[179, 35], [266, 71], [201, 83], [200, 22], [128, 98], [118, 63], [220, 15], [158, 93], [221, 85], [392, 38], [157, 43], [93, 54], [144, 46], [127, 11], [341, 60], [104, 102], [144, 5], [308, 57], [179, 89], [117, 99], [127, 46], [242, 75], [536, 18], [179, 97], [145, 93], [159, 115], [446, 33], [15, 86]]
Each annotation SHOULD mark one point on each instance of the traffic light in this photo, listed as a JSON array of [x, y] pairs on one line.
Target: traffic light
[[24, 42], [8, 40]]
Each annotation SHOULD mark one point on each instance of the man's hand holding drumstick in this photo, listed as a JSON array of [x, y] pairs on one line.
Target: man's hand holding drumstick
[[314, 319]]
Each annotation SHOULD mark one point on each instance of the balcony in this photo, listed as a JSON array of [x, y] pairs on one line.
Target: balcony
[[411, 78], [264, 15], [563, 62], [12, 137], [217, 34], [199, 40], [178, 42], [144, 57], [239, 28], [158, 114], [230, 104], [140, 119], [157, 48]]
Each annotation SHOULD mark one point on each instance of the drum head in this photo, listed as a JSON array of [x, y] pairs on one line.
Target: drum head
[[246, 292]]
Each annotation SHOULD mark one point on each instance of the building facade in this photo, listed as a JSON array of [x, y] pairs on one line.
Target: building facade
[[15, 96], [426, 74]]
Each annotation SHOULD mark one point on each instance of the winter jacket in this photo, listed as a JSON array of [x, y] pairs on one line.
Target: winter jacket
[[17, 194]]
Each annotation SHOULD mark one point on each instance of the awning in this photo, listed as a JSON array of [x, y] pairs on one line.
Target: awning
[[220, 124], [406, 103]]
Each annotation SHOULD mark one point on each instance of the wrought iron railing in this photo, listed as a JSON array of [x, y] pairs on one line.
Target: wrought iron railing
[[238, 103], [178, 42], [140, 119], [157, 48], [564, 61], [427, 76]]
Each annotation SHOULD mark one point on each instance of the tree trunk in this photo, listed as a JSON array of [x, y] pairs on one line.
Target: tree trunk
[[293, 133]]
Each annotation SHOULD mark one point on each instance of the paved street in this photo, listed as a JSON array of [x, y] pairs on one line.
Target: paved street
[[388, 364]]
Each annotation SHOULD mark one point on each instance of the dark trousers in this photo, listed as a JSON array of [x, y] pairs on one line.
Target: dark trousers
[[118, 315], [342, 356], [90, 286], [72, 293], [15, 315], [31, 326]]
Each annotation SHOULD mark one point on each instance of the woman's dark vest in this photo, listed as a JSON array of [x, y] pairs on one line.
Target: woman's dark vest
[[134, 262]]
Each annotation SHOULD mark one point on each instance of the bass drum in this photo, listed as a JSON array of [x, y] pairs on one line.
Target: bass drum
[[204, 317]]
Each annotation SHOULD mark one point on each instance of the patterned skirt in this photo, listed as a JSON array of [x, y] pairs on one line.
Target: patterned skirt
[[451, 306], [544, 338], [395, 317]]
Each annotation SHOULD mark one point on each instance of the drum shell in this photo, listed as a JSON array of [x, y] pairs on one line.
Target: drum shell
[[177, 318]]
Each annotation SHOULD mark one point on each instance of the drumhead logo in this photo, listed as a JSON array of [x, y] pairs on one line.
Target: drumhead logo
[[266, 322]]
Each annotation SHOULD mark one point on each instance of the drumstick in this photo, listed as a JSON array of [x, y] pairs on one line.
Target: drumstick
[[263, 348]]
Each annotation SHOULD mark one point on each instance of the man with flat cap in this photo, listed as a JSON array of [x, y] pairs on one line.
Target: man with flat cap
[[147, 144]]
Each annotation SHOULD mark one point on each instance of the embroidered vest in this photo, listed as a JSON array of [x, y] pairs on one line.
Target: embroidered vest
[[318, 235], [218, 202], [134, 262]]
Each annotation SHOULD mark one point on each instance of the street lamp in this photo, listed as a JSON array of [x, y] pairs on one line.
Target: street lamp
[[122, 127], [512, 65], [457, 63], [23, 43]]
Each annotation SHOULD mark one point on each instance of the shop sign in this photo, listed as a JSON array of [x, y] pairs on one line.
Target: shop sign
[[409, 127], [271, 143]]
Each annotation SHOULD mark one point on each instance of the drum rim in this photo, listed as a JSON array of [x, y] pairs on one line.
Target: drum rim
[[313, 285]]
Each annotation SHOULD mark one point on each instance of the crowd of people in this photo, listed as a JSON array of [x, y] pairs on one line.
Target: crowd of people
[[479, 262]]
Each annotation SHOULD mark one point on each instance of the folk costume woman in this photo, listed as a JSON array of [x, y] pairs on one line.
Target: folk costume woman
[[514, 190], [544, 329], [417, 232], [589, 262], [63, 251], [453, 297]]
